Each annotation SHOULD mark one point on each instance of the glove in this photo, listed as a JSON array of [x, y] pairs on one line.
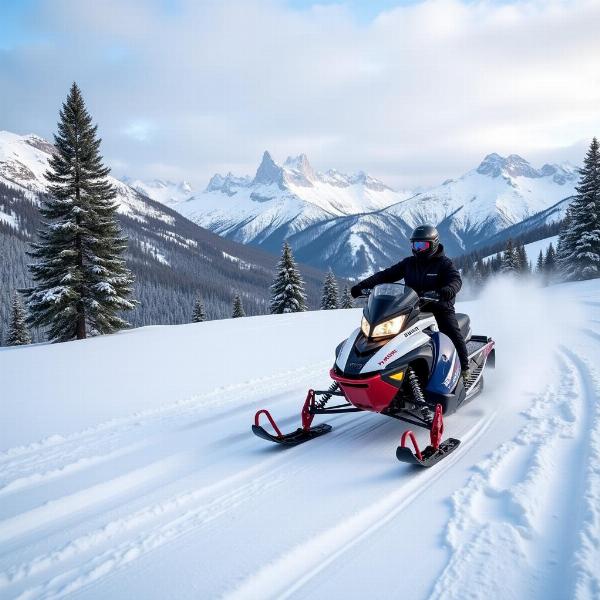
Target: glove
[[356, 291], [446, 293]]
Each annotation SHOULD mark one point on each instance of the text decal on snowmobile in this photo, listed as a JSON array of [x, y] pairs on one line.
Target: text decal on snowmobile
[[411, 331], [387, 357]]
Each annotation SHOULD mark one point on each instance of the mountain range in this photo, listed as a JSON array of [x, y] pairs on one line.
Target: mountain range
[[356, 224], [173, 259]]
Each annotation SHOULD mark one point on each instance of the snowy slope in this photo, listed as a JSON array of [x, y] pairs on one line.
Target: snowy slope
[[532, 250], [144, 481], [24, 160], [162, 190], [500, 192]]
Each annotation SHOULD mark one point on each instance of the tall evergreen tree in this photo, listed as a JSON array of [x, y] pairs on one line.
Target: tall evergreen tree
[[522, 258], [579, 241], [483, 268], [329, 299], [287, 290], [18, 335], [497, 263], [238, 308], [550, 260], [539, 268], [476, 276], [82, 284], [199, 314], [346, 300], [510, 259]]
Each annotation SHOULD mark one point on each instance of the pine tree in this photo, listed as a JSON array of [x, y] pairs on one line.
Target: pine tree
[[346, 300], [238, 308], [483, 269], [550, 260], [522, 258], [510, 259], [539, 268], [82, 284], [579, 241], [18, 335], [287, 290], [329, 299], [476, 276], [199, 315], [497, 263]]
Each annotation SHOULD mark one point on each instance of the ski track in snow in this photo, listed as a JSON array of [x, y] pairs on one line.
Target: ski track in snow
[[289, 573], [517, 522], [81, 513]]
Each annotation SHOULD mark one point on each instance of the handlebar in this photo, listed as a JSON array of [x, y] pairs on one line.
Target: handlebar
[[426, 297]]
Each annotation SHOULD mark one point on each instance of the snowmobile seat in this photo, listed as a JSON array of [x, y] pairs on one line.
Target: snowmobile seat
[[464, 323]]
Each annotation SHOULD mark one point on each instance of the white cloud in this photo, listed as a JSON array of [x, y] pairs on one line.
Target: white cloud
[[417, 95]]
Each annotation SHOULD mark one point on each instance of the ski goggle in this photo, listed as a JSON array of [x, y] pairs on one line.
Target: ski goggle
[[419, 246]]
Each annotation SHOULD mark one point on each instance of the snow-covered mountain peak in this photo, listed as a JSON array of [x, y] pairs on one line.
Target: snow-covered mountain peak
[[494, 165], [268, 171], [40, 143], [368, 181], [516, 166], [24, 160], [560, 173], [298, 171], [24, 163], [162, 190], [298, 163], [228, 184], [513, 165]]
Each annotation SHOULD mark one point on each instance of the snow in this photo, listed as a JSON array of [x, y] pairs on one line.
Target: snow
[[532, 250], [154, 252], [24, 161], [291, 195], [477, 199], [9, 219], [163, 191], [294, 202], [235, 259], [128, 469]]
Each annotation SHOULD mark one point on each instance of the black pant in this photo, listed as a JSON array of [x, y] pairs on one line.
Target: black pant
[[446, 320]]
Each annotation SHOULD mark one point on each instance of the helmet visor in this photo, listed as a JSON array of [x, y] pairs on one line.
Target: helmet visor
[[421, 245]]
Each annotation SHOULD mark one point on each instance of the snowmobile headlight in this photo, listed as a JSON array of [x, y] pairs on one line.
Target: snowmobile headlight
[[364, 326], [388, 328]]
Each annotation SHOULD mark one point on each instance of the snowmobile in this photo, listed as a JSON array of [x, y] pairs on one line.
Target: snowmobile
[[398, 364]]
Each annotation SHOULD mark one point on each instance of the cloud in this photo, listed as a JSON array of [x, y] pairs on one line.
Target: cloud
[[139, 130], [417, 94]]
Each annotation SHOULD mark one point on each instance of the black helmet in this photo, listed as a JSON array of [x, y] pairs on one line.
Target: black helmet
[[425, 240]]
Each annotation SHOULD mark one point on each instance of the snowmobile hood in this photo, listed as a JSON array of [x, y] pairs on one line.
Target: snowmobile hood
[[389, 300]]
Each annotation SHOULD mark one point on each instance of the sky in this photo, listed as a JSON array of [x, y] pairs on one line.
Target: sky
[[413, 92]]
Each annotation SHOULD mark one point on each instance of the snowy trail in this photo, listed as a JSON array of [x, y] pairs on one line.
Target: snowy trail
[[180, 500]]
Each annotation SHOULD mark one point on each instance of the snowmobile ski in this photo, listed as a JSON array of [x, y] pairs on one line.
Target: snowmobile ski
[[430, 456], [435, 452], [292, 439], [301, 435]]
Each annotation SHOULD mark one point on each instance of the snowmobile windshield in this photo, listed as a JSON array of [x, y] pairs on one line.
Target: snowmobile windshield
[[386, 304]]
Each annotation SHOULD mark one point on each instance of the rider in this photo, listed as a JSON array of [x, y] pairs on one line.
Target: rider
[[429, 269]]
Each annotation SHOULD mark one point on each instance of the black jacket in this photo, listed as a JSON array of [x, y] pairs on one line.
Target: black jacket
[[422, 275]]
